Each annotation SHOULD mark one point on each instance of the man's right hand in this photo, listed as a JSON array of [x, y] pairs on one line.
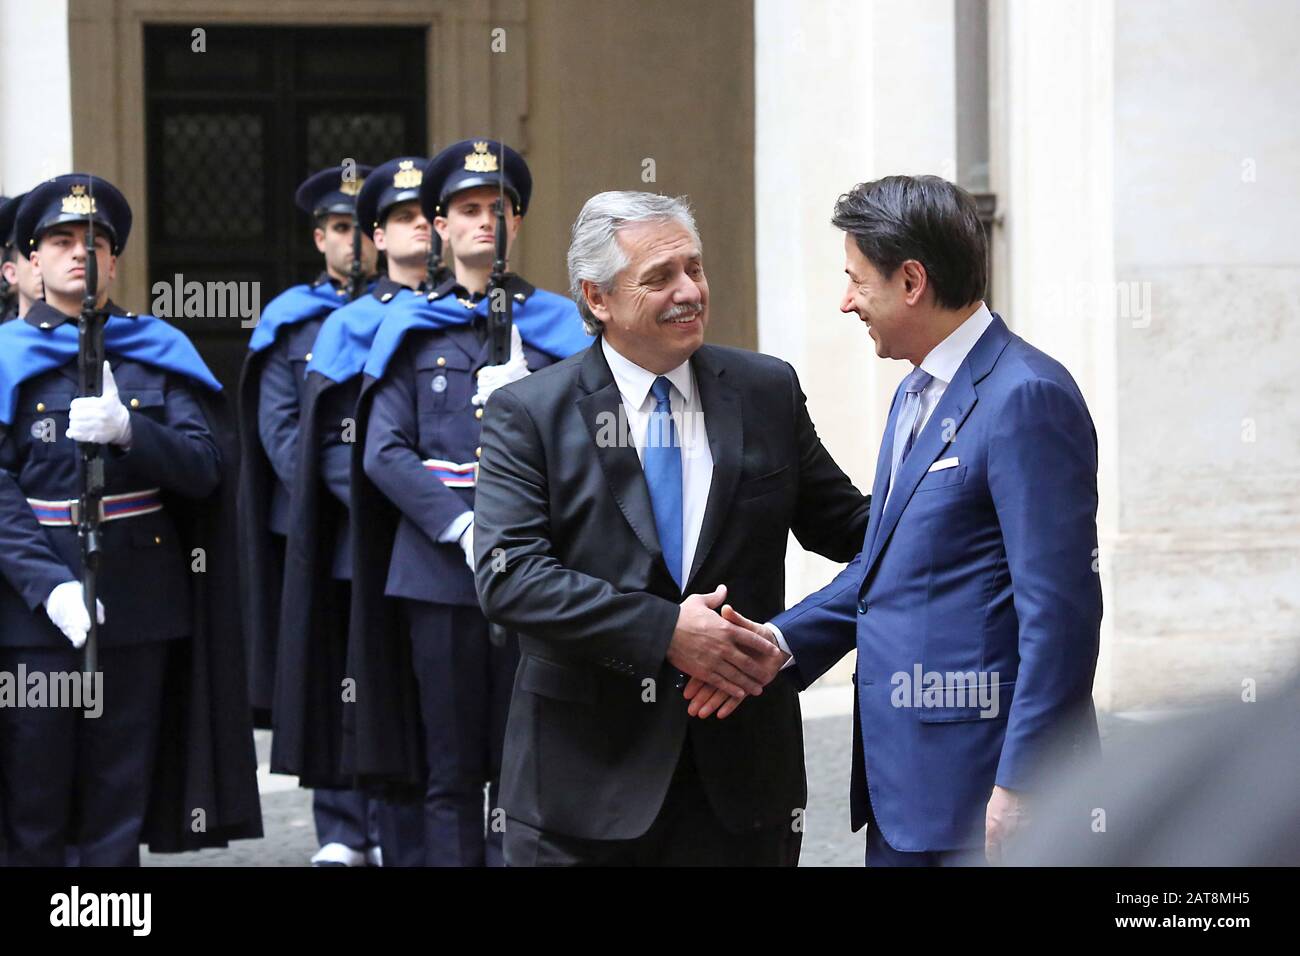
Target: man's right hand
[[706, 699], [66, 607], [718, 652]]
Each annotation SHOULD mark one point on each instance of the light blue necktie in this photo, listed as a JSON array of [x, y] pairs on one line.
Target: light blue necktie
[[905, 425], [662, 461]]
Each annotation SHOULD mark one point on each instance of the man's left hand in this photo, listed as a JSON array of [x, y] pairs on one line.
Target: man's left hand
[[492, 377], [1006, 814], [100, 419]]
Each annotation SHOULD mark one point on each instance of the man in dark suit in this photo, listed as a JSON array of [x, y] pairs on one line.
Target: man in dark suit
[[623, 495]]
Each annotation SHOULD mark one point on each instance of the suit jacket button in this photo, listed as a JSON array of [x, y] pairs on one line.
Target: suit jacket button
[[863, 606], [135, 403], [442, 360]]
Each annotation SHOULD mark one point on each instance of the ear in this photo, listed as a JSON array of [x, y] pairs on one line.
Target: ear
[[915, 281], [35, 260], [112, 268], [318, 236], [596, 300], [440, 226], [10, 271], [378, 237]]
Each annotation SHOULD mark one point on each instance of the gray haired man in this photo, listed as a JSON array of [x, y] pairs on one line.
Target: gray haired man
[[624, 495]]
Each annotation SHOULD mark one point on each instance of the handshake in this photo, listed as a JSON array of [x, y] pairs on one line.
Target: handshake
[[726, 655]]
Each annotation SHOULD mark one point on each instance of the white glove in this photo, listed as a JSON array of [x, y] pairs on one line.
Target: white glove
[[492, 377], [66, 607], [102, 420], [467, 544]]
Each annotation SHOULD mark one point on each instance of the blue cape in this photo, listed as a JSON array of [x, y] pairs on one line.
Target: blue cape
[[26, 352], [548, 322], [343, 342], [295, 304]]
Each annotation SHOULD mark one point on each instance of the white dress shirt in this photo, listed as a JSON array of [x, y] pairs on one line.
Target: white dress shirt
[[942, 364], [946, 357], [634, 384]]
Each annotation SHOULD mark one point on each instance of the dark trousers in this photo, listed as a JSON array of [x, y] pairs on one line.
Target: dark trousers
[[880, 853], [349, 817], [75, 788], [464, 685], [686, 832]]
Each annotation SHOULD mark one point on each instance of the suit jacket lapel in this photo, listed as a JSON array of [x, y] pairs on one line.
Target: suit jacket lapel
[[721, 405], [939, 432], [601, 408]]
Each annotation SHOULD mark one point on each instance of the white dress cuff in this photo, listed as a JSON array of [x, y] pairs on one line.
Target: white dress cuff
[[451, 534], [780, 642]]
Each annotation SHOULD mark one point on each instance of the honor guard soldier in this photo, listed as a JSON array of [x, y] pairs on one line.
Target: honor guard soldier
[[432, 692], [19, 284], [168, 759], [314, 625], [272, 391]]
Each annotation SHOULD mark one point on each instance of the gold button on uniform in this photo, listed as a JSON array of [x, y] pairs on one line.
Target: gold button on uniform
[[135, 403], [478, 413], [40, 406], [442, 360], [478, 452], [307, 356], [157, 540]]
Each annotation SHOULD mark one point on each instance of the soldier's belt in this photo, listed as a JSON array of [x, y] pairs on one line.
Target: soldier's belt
[[451, 474], [111, 507]]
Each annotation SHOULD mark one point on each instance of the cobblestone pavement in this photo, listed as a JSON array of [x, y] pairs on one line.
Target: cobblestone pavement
[[828, 738]]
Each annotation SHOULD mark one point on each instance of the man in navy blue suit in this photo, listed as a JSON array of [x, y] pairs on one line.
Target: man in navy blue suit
[[974, 604], [86, 785], [273, 393]]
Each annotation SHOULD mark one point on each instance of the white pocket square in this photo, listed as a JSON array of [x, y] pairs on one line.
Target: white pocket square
[[943, 463]]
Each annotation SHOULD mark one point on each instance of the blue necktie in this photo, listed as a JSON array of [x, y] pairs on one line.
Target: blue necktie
[[905, 425], [662, 461]]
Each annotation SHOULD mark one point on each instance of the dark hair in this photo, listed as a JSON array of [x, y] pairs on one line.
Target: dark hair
[[323, 220], [923, 218]]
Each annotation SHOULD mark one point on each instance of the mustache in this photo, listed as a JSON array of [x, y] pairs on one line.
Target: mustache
[[679, 311]]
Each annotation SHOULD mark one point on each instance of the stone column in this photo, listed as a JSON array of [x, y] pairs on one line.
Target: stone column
[[35, 98], [844, 92]]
